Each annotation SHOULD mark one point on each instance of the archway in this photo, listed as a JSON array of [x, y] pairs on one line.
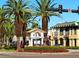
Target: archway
[[56, 41], [75, 42], [67, 41], [61, 41]]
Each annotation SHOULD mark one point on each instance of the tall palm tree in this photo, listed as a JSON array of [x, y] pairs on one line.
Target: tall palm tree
[[2, 22], [41, 10], [26, 18], [18, 9], [4, 25]]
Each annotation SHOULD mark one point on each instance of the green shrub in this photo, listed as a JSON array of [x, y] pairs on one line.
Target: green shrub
[[44, 48], [72, 47], [9, 48]]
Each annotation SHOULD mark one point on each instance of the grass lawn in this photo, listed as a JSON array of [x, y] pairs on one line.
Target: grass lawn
[[5, 50]]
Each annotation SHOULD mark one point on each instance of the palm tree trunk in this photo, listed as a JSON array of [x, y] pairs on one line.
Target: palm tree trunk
[[18, 43], [24, 33], [2, 30], [45, 23], [18, 30], [45, 27]]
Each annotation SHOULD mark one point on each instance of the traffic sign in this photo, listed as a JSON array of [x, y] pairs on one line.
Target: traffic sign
[[69, 10]]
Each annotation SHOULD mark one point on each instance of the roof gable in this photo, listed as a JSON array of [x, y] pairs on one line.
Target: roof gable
[[36, 30]]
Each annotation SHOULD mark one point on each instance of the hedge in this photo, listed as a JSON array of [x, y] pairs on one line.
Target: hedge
[[44, 48], [72, 47]]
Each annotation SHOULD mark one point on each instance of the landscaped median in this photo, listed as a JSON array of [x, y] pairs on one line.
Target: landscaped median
[[44, 49], [76, 48]]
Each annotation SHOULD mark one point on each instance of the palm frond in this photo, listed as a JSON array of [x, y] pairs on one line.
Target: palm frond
[[38, 3], [53, 5], [56, 14]]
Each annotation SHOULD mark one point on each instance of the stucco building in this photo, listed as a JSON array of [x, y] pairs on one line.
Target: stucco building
[[34, 37], [65, 34]]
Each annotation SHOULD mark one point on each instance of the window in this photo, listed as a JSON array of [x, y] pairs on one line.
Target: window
[[56, 42], [27, 43], [75, 42], [61, 41], [35, 35], [67, 32], [61, 32], [71, 31], [56, 33], [74, 31]]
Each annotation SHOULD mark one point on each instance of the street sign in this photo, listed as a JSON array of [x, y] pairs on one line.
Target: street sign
[[69, 10]]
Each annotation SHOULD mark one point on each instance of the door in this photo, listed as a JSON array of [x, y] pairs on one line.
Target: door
[[56, 42], [36, 42], [75, 42], [61, 41], [67, 41]]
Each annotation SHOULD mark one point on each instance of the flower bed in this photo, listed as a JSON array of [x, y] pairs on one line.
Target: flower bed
[[44, 49]]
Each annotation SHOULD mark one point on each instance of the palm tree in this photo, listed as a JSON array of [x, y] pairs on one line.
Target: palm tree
[[35, 24], [18, 9], [27, 19], [41, 10], [4, 25], [2, 22], [9, 31]]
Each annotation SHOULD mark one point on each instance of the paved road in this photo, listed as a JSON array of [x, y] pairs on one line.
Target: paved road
[[38, 55]]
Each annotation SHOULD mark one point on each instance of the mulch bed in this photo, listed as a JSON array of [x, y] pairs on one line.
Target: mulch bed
[[43, 51]]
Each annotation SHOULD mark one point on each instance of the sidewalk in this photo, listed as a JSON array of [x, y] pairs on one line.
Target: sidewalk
[[73, 50], [25, 53]]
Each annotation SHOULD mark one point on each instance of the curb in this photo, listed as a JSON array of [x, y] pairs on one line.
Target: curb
[[33, 53]]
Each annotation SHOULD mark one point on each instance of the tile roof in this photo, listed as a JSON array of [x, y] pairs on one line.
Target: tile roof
[[66, 24]]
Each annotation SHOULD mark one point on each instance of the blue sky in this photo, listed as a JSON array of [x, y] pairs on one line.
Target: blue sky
[[67, 17]]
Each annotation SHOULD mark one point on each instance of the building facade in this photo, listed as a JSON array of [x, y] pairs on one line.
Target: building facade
[[34, 37], [65, 34]]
